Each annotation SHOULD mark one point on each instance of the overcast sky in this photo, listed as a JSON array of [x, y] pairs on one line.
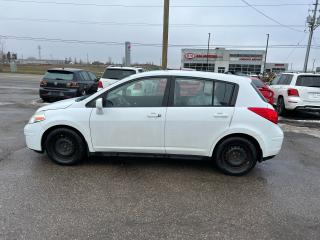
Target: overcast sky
[[15, 21]]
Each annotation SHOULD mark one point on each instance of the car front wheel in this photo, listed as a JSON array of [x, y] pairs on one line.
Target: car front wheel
[[64, 146], [236, 156]]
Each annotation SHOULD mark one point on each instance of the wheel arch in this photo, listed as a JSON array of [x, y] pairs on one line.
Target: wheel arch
[[242, 135], [46, 133]]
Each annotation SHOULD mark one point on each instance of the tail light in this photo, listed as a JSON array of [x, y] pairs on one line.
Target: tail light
[[100, 85], [137, 86], [293, 92], [72, 84], [267, 113], [43, 83]]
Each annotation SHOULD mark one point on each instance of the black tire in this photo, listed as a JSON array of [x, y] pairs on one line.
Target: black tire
[[281, 107], [64, 146], [236, 156]]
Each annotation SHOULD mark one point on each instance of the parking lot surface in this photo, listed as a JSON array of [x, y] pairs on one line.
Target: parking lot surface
[[133, 198]]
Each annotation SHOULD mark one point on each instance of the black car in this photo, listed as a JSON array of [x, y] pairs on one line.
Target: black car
[[63, 83]]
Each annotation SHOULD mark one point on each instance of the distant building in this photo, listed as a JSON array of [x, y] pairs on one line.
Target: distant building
[[277, 67], [223, 60]]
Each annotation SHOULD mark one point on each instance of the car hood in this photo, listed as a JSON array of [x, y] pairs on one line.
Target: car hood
[[58, 105]]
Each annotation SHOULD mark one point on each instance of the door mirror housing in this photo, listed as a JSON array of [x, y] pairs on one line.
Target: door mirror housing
[[99, 105]]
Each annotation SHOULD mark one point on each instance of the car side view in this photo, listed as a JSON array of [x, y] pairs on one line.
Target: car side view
[[202, 115]]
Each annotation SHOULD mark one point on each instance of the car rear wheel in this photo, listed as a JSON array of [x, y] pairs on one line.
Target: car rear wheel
[[236, 156], [64, 146], [281, 108]]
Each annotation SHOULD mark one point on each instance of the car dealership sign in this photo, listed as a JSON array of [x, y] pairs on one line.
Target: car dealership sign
[[191, 56]]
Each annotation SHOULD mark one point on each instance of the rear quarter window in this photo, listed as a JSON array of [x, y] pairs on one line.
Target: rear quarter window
[[259, 93]]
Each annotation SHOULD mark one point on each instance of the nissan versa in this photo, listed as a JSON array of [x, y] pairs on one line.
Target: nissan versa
[[163, 113]]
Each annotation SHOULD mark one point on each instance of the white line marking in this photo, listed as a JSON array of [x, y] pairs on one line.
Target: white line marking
[[304, 130]]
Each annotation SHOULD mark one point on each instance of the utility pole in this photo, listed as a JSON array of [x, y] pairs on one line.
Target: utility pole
[[87, 58], [165, 34], [39, 51], [313, 24], [209, 36], [265, 56]]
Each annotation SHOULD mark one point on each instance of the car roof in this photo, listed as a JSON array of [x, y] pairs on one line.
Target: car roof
[[66, 69], [125, 68], [301, 73], [196, 74]]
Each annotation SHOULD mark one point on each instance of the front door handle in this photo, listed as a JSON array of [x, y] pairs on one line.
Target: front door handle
[[221, 115], [154, 115]]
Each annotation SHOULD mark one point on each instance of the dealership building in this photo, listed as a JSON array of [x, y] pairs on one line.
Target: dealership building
[[223, 60]]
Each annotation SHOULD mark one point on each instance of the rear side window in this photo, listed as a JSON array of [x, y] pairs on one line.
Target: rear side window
[[285, 79], [92, 76], [117, 74], [84, 76], [308, 81], [58, 75], [202, 93]]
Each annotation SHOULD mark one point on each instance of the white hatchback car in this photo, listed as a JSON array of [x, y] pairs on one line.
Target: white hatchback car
[[177, 113], [113, 74], [296, 91]]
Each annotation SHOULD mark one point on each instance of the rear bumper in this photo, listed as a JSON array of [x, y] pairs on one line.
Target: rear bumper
[[308, 108], [53, 93]]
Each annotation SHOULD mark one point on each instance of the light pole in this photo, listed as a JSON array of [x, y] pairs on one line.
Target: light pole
[[265, 56], [209, 36], [165, 34], [313, 24]]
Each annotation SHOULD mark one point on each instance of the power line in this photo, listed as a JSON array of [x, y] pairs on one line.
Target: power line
[[270, 18], [137, 44], [155, 6], [142, 24]]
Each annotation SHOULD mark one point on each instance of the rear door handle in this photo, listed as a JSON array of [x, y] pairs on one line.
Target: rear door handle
[[220, 115], [154, 115]]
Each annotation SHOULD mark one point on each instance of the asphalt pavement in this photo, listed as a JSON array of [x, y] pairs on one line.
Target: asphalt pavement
[[135, 198]]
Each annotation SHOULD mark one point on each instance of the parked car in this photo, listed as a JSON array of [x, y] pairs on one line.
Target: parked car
[[204, 115], [265, 90], [62, 83], [113, 74], [296, 91]]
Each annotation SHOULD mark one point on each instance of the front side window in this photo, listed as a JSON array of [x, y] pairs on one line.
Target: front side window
[[139, 93]]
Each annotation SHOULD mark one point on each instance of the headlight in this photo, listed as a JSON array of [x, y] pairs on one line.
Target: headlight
[[37, 117]]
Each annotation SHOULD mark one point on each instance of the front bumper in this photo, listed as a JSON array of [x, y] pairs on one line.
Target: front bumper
[[33, 134], [54, 93]]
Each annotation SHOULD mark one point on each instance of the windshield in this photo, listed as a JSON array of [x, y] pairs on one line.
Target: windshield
[[117, 73], [308, 81], [58, 75]]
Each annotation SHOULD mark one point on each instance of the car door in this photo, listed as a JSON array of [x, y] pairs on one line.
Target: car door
[[133, 117], [199, 111]]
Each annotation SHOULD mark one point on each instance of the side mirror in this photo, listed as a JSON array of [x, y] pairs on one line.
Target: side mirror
[[99, 105]]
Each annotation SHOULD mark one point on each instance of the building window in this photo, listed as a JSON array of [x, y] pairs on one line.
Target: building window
[[245, 68], [200, 66], [221, 69]]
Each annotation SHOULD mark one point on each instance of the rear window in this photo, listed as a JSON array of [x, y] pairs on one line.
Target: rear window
[[308, 81], [58, 75], [117, 73]]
